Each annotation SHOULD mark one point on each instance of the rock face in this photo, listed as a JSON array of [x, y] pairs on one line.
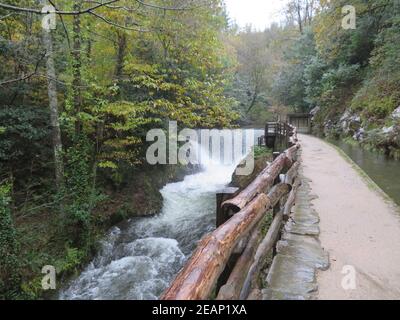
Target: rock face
[[314, 112], [350, 123], [292, 275], [359, 135], [388, 130], [328, 127], [260, 162], [381, 134]]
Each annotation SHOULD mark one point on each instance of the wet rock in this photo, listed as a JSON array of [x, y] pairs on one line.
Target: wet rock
[[345, 116], [314, 111], [388, 130], [292, 275], [290, 278], [396, 113], [328, 126], [350, 123], [359, 135], [302, 229], [304, 248]]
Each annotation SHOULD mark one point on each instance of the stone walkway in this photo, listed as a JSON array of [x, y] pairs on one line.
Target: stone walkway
[[359, 224], [292, 275], [352, 221]]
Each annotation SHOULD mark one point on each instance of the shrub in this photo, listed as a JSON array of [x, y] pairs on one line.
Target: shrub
[[9, 265]]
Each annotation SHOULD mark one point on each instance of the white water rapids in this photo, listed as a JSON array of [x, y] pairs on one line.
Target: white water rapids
[[140, 258]]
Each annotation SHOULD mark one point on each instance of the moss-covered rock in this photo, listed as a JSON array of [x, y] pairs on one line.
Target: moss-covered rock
[[262, 156], [140, 194], [380, 134]]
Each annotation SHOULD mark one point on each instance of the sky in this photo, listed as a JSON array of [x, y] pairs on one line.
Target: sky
[[259, 13]]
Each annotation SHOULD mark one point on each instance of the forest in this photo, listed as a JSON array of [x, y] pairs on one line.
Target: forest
[[83, 81]]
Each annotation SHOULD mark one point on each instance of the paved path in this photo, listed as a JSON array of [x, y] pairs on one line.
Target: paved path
[[358, 226]]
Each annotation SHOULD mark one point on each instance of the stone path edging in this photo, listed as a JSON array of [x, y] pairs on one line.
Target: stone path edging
[[293, 272]]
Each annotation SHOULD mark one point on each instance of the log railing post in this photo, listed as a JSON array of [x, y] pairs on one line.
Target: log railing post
[[233, 255], [223, 214]]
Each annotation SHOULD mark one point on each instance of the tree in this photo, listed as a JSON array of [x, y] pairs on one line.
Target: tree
[[111, 71], [76, 66], [301, 12], [9, 264], [54, 112]]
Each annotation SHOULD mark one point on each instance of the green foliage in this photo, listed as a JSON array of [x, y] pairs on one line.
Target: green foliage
[[380, 93], [257, 55], [335, 69], [73, 259], [113, 86], [31, 290], [68, 263], [266, 223], [124, 83], [24, 139], [80, 195], [9, 264], [261, 152], [291, 84]]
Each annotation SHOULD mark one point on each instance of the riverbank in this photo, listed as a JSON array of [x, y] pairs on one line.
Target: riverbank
[[374, 134], [359, 227], [381, 170], [139, 258], [42, 243]]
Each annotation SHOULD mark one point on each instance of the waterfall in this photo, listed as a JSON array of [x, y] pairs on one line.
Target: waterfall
[[140, 259]]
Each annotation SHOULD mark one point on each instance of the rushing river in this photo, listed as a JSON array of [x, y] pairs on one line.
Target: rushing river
[[384, 171], [139, 259]]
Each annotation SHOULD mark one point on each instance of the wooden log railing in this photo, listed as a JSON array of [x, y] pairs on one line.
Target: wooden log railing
[[277, 135], [265, 195]]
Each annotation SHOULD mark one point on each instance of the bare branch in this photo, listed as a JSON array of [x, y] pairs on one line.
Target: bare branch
[[63, 24], [91, 9], [8, 15], [116, 24], [73, 13], [26, 77], [154, 6]]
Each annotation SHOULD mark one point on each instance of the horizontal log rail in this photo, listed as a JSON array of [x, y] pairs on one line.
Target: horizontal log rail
[[199, 277]]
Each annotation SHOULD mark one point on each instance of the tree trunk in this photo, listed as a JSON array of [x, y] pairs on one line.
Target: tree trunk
[[121, 50], [299, 17], [77, 66], [253, 100], [54, 116]]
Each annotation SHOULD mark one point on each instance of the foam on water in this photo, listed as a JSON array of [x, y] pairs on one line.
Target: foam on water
[[139, 260]]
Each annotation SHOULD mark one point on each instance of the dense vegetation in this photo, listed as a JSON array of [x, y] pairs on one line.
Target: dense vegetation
[[350, 77], [76, 104]]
